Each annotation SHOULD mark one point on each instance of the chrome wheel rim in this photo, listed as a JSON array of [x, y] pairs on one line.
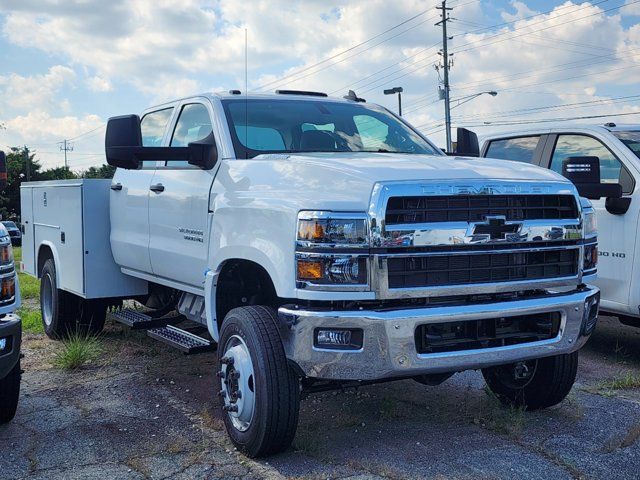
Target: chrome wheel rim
[[237, 380], [47, 300]]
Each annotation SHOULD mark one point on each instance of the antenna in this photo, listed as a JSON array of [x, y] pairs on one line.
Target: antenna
[[246, 91]]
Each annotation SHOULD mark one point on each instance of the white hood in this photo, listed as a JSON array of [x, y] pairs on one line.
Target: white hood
[[379, 167], [344, 181]]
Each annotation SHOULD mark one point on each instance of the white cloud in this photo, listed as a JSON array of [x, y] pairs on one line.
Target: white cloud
[[38, 91], [99, 84], [171, 48], [521, 11]]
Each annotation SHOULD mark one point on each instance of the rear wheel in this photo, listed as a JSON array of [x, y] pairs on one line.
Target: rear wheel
[[534, 384], [64, 313], [9, 394], [260, 393]]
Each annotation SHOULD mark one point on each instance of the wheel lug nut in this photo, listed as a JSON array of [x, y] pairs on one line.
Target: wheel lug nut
[[227, 360], [230, 408]]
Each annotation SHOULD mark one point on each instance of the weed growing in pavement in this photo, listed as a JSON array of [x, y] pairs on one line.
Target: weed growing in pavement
[[624, 382], [77, 350]]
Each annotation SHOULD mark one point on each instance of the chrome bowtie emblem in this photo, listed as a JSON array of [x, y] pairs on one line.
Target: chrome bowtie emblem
[[494, 227]]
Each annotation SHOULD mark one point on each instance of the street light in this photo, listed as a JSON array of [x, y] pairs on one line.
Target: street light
[[398, 90], [468, 98]]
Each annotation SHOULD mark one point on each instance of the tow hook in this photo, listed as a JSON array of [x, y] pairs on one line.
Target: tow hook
[[521, 371]]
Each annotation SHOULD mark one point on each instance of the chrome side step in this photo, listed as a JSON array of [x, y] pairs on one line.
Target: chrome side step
[[137, 320], [182, 340]]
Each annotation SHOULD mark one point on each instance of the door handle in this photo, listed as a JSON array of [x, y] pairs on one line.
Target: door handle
[[158, 188], [116, 186]]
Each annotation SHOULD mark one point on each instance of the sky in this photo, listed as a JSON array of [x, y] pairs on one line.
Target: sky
[[66, 66]]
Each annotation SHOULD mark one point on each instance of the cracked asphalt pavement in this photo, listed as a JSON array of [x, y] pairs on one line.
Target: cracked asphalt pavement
[[143, 411]]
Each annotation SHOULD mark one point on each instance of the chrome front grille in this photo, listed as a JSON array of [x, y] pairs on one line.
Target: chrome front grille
[[474, 208], [462, 268], [431, 239]]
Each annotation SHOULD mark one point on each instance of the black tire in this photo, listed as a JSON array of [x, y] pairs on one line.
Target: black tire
[[9, 394], [550, 383], [276, 386], [64, 313]]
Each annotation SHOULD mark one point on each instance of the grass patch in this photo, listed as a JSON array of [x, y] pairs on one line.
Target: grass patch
[[77, 351], [17, 254], [29, 286], [507, 420], [625, 382], [31, 319]]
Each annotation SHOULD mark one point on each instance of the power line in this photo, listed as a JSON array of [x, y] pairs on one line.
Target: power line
[[293, 74], [534, 110], [483, 44], [548, 120]]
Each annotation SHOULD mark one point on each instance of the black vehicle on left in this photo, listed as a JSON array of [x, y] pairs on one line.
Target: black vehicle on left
[[14, 232], [10, 323]]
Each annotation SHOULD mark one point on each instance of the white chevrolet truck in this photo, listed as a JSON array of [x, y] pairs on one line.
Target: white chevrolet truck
[[617, 147], [319, 243]]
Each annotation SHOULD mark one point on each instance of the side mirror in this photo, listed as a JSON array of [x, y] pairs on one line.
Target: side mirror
[[123, 146], [467, 144], [121, 141], [204, 153], [584, 172], [3, 170]]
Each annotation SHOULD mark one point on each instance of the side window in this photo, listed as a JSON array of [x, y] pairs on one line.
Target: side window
[[520, 149], [194, 124], [584, 146], [153, 126]]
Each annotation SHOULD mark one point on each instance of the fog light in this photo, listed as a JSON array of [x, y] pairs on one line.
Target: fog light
[[338, 338], [3, 344], [590, 257], [590, 316]]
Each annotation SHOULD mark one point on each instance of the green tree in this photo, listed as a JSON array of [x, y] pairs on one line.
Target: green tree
[[17, 161], [103, 171]]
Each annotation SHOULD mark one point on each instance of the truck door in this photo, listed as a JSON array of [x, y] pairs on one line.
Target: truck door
[[179, 204], [616, 233], [129, 200]]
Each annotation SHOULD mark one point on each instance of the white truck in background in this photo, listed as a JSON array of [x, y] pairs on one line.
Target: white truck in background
[[320, 243], [618, 149]]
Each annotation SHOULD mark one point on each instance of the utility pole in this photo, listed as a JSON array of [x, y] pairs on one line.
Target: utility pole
[[445, 66], [27, 163], [65, 146]]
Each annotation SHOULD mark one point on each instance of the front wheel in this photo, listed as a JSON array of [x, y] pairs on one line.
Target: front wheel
[[9, 394], [534, 384], [260, 393]]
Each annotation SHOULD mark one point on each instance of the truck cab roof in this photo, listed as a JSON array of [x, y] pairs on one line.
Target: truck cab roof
[[563, 127]]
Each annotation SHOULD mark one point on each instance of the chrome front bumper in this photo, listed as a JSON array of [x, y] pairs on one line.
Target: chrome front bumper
[[389, 345]]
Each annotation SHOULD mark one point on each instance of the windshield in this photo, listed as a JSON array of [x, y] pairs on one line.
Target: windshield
[[293, 126], [631, 140], [9, 224]]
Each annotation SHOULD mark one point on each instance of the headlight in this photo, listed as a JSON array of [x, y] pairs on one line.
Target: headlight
[[6, 252], [590, 223], [318, 264], [339, 270], [329, 229]]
